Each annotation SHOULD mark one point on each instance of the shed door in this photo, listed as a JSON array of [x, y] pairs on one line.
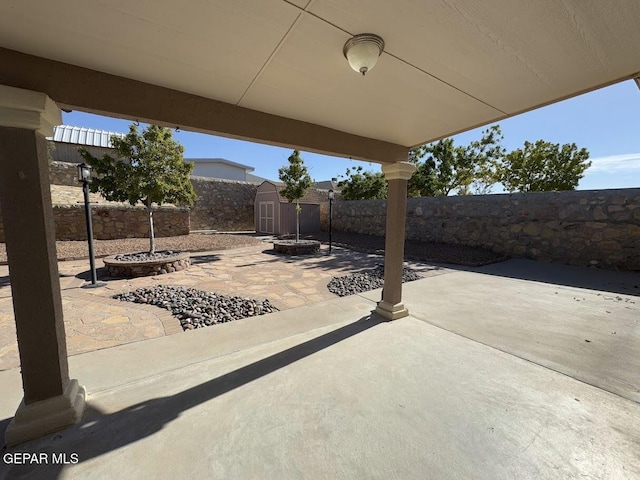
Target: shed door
[[266, 217]]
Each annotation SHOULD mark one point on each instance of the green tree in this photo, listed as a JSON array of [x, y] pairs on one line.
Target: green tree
[[448, 167], [485, 156], [297, 181], [148, 168], [543, 166], [358, 184]]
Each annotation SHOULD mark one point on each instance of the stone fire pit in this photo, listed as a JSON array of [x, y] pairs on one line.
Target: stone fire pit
[[138, 265], [301, 247]]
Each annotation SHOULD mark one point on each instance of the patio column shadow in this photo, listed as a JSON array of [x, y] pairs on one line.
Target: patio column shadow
[[99, 433]]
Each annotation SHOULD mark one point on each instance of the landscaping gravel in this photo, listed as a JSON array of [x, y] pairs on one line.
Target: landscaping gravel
[[415, 250], [196, 308], [365, 281], [143, 256]]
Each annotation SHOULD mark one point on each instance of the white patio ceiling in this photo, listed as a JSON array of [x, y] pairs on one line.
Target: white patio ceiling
[[448, 65]]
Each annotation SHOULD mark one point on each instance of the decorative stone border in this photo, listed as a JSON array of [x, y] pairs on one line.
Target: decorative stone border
[[120, 268], [291, 247]]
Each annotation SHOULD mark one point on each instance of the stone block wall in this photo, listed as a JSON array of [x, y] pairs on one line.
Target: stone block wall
[[324, 217], [598, 228], [223, 205], [63, 173], [324, 213], [111, 222]]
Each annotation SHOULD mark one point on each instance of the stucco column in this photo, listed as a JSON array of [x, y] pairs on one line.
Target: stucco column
[[51, 400], [397, 175]]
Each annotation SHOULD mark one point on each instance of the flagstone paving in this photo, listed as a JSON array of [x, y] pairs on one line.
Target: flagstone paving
[[94, 320]]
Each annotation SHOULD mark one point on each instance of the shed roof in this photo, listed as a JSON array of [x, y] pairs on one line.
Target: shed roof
[[313, 196], [83, 136]]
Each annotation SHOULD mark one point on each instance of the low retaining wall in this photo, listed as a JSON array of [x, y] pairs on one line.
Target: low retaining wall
[[598, 228], [111, 222], [126, 269]]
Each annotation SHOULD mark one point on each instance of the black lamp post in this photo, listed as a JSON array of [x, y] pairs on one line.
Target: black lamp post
[[331, 195], [84, 176]]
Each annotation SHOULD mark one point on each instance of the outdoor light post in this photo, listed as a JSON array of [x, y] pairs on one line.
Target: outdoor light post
[[84, 176], [331, 195]]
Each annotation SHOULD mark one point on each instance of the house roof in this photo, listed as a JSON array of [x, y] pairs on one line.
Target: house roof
[[447, 66], [313, 195], [251, 178], [327, 185], [223, 161], [83, 136]]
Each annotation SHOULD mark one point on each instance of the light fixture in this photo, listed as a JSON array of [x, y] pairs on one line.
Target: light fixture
[[362, 51], [331, 197], [84, 177], [84, 173]]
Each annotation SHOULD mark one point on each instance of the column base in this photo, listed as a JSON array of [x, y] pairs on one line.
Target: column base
[[39, 418], [391, 311]]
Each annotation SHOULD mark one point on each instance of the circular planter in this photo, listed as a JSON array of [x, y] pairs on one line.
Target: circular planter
[[291, 247], [145, 268]]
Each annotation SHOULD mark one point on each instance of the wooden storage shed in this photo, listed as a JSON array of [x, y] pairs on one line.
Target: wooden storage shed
[[274, 214]]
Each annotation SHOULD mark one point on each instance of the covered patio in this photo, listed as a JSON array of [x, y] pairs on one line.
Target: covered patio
[[516, 378], [274, 72]]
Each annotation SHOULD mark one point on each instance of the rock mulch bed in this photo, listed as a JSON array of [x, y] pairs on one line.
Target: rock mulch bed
[[143, 256], [366, 280], [196, 308]]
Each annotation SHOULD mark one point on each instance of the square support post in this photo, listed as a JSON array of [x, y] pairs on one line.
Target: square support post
[[397, 175], [51, 400]]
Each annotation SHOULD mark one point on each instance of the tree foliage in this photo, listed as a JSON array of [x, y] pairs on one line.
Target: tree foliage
[[443, 168], [148, 167], [448, 168], [543, 166], [297, 181], [360, 184]]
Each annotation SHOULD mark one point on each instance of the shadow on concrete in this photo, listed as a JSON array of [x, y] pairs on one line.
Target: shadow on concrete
[[626, 283], [611, 281], [198, 259], [347, 260], [5, 281], [266, 260], [101, 275], [99, 432]]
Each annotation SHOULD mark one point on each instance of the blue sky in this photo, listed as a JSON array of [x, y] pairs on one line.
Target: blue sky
[[605, 122]]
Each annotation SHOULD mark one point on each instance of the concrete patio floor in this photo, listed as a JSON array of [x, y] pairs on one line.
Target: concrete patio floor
[[515, 370]]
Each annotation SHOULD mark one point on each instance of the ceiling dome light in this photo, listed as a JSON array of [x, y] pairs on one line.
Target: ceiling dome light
[[362, 51]]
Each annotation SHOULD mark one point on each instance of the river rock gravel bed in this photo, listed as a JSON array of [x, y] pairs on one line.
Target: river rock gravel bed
[[145, 256], [196, 308], [366, 280]]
